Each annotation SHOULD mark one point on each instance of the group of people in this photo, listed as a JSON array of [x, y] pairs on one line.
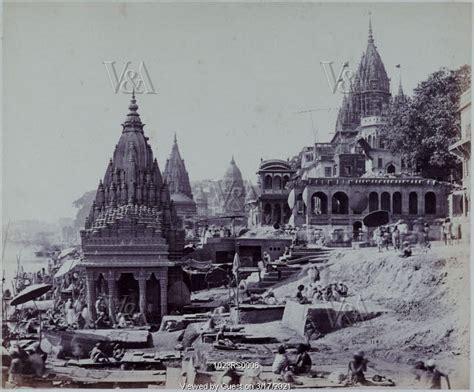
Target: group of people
[[283, 366], [98, 353], [316, 292], [215, 232], [395, 236]]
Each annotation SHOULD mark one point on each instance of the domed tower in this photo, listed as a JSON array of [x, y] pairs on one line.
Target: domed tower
[[177, 178], [131, 236], [233, 190]]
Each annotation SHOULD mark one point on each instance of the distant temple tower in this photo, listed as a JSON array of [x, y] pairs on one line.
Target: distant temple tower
[[131, 237], [177, 179], [233, 190], [202, 202]]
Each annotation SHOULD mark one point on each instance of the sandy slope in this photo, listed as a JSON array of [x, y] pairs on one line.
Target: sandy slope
[[428, 298]]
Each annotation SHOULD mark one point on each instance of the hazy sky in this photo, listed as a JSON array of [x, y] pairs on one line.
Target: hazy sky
[[230, 79]]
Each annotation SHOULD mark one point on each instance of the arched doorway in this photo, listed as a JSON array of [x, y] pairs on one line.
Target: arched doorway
[[397, 203], [276, 214], [285, 181], [357, 231], [128, 292], [385, 201], [267, 214], [413, 203], [286, 213], [430, 203], [373, 201], [319, 203], [390, 169], [340, 203], [153, 300]]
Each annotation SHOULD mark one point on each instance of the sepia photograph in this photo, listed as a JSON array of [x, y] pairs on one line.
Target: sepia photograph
[[236, 195]]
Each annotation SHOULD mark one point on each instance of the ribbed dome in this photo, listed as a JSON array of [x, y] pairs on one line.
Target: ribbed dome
[[233, 189], [233, 173]]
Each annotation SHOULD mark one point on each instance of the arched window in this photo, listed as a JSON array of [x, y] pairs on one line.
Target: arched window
[[268, 181], [340, 203], [385, 201], [430, 203], [285, 180], [390, 169], [369, 140], [319, 203], [373, 201], [413, 203], [277, 182], [397, 203]]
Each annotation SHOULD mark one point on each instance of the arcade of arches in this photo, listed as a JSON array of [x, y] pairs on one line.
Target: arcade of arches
[[323, 201]]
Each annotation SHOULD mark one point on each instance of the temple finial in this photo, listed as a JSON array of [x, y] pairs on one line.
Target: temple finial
[[175, 139], [233, 160], [371, 37], [133, 93]]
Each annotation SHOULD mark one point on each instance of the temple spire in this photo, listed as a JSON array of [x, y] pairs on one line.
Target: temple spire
[[133, 122], [371, 37]]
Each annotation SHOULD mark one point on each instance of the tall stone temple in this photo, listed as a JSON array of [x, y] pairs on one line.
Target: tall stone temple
[[177, 179], [131, 237], [336, 184]]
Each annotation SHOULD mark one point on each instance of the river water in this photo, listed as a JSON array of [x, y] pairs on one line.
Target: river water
[[28, 261]]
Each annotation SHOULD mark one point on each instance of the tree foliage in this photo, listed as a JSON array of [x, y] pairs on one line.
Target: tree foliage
[[421, 128]]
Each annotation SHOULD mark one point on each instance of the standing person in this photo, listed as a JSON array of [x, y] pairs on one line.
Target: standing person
[[447, 231], [396, 238], [403, 229], [379, 239], [434, 376]]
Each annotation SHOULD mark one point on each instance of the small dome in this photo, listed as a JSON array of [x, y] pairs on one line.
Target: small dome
[[233, 172]]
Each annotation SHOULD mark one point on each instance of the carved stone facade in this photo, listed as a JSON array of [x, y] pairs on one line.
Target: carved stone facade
[[131, 235]]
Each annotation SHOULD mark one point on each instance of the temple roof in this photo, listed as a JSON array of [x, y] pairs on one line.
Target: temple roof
[[371, 74], [132, 176], [175, 173]]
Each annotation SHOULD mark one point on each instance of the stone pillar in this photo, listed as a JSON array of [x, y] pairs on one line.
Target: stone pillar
[[142, 294], [164, 295], [112, 295], [421, 203], [91, 295]]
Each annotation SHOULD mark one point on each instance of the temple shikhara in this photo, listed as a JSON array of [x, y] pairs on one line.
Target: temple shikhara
[[177, 179], [132, 238]]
